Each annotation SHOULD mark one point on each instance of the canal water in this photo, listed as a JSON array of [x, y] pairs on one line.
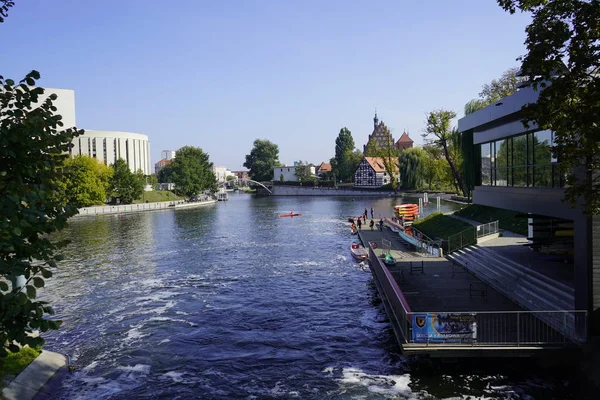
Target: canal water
[[230, 301]]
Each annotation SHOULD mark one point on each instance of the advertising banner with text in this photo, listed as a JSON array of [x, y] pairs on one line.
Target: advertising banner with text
[[444, 328]]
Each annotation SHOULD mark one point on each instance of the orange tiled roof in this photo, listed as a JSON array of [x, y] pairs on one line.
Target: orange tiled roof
[[405, 138], [324, 167]]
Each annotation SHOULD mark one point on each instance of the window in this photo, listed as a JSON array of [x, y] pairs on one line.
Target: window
[[521, 161]]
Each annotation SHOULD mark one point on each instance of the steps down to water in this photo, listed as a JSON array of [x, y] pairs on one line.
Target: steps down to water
[[526, 287]]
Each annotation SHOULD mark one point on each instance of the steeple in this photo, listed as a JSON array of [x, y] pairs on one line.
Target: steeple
[[375, 119]]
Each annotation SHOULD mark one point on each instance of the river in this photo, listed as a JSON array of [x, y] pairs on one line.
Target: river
[[230, 301]]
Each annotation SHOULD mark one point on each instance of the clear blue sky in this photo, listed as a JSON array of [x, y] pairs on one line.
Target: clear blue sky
[[219, 74]]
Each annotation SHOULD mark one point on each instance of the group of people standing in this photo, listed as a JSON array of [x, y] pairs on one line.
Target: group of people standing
[[357, 223]]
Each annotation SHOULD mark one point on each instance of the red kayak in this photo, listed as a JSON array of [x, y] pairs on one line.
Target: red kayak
[[289, 215]]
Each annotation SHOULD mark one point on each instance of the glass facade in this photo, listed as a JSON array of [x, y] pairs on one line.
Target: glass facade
[[523, 161]]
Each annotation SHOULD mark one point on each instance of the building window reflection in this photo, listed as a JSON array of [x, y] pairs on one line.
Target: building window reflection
[[524, 160]]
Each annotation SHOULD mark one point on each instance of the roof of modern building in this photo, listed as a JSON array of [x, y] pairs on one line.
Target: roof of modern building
[[163, 161]]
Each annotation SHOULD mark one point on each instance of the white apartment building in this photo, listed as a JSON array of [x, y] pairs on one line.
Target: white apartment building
[[288, 173]]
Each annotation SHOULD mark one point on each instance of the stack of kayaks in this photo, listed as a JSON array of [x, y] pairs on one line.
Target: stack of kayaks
[[407, 213], [553, 237]]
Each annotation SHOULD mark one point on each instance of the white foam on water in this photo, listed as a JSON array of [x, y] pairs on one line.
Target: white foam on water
[[176, 377], [134, 334], [137, 369], [166, 319], [164, 341], [163, 309], [90, 367], [391, 385]]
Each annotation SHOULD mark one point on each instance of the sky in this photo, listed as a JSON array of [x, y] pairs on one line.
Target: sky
[[219, 74]]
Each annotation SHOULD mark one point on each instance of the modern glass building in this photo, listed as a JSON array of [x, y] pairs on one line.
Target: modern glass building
[[510, 166]]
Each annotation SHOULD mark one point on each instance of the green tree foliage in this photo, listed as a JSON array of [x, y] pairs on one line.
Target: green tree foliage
[[4, 6], [494, 91], [152, 181], [33, 147], [302, 172], [439, 133], [192, 172], [124, 185], [569, 100], [263, 157], [343, 166], [86, 181], [413, 162], [371, 150], [165, 175]]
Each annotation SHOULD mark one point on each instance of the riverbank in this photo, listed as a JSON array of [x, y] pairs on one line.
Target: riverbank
[[132, 208], [30, 382]]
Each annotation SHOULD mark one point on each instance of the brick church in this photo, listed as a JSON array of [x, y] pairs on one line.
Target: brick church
[[382, 137]]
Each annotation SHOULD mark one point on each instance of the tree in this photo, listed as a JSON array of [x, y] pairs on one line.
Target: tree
[[412, 167], [165, 175], [263, 157], [33, 147], [494, 91], [153, 181], [124, 185], [438, 126], [344, 147], [86, 181], [4, 6], [302, 172], [371, 150], [566, 31], [192, 172]]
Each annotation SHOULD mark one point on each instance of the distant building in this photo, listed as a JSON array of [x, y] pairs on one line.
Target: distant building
[[221, 173], [105, 146], [160, 165], [288, 173], [167, 155], [380, 135], [405, 142], [241, 175], [371, 173], [108, 146], [323, 169]]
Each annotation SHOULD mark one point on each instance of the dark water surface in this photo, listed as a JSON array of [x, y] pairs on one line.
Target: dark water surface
[[230, 301]]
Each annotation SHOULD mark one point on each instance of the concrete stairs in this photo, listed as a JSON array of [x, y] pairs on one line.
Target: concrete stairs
[[526, 287]]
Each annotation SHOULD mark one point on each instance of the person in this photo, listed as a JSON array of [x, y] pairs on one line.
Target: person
[[381, 224], [371, 224], [365, 213], [371, 212], [365, 219], [359, 223]]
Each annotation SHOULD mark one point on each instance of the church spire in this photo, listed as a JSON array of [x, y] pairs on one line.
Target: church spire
[[375, 119]]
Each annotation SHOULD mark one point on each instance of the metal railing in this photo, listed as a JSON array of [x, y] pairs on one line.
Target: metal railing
[[487, 229], [460, 240], [102, 210], [499, 328], [482, 328], [396, 305]]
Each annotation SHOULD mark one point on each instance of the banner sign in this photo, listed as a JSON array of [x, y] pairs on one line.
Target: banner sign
[[444, 328]]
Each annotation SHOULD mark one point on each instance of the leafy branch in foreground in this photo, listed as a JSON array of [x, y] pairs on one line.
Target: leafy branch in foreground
[[33, 147]]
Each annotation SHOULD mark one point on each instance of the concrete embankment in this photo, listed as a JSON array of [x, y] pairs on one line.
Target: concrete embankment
[[322, 191], [131, 208], [30, 383]]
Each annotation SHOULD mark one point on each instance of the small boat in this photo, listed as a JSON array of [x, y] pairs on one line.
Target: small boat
[[292, 214], [359, 252], [389, 259]]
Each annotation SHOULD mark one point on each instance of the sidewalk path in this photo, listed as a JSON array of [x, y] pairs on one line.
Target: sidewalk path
[[30, 383]]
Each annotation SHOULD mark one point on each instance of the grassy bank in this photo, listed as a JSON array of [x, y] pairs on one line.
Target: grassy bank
[[440, 226], [155, 196], [487, 214], [14, 363]]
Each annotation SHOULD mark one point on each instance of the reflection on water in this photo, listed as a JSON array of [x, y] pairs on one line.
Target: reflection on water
[[232, 301]]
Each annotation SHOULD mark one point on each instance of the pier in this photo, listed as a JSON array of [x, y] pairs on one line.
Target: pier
[[422, 293]]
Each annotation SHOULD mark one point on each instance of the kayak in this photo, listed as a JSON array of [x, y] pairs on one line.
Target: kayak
[[289, 215]]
